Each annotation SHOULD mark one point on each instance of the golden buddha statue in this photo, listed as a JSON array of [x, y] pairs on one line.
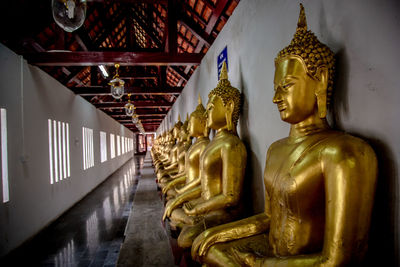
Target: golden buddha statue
[[157, 147], [217, 199], [319, 183], [184, 143], [167, 144], [190, 177], [172, 160]]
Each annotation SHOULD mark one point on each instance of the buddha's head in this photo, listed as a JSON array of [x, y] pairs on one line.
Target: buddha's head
[[303, 76], [223, 105], [170, 135], [177, 128], [184, 133], [197, 121]]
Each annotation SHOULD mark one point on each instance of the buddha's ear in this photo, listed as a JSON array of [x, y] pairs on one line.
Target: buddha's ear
[[321, 90], [229, 111]]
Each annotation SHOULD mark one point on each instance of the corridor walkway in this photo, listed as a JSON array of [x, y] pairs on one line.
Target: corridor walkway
[[91, 232], [146, 241]]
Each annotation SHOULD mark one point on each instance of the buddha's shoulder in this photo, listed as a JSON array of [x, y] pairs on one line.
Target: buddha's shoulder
[[199, 145], [344, 145], [232, 140], [329, 142]]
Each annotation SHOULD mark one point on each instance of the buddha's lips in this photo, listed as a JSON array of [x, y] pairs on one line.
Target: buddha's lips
[[281, 108]]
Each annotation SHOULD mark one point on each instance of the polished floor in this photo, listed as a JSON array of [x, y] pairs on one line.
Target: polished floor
[[91, 232], [146, 240]]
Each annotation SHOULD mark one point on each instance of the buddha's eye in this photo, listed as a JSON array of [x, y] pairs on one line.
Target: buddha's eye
[[287, 85]]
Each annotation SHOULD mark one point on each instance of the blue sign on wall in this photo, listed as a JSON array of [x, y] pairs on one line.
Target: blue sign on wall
[[223, 56]]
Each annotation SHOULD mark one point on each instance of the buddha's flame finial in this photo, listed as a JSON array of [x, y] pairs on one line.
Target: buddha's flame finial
[[302, 23], [179, 117], [224, 72], [199, 100]]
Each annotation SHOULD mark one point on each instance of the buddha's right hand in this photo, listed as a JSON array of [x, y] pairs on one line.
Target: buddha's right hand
[[166, 188], [203, 242], [169, 207]]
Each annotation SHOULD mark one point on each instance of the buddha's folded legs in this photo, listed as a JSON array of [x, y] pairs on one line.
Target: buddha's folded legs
[[171, 194], [191, 231], [179, 216], [224, 254]]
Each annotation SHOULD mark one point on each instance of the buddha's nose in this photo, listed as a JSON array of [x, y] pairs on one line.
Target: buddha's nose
[[277, 97]]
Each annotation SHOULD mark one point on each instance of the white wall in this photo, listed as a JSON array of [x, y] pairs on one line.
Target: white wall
[[31, 97], [365, 35]]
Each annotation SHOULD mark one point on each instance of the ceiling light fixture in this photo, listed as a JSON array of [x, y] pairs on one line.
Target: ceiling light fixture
[[69, 14], [129, 107], [135, 118], [117, 85]]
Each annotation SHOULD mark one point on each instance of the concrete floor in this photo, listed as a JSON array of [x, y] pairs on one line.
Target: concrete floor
[[146, 242], [91, 232]]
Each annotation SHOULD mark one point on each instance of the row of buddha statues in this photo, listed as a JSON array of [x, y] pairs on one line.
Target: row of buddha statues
[[319, 183]]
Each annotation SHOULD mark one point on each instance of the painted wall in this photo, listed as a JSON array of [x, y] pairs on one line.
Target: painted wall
[[31, 97], [365, 35]]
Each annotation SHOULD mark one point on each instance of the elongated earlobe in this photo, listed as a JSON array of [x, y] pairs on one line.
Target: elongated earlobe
[[228, 115], [321, 91]]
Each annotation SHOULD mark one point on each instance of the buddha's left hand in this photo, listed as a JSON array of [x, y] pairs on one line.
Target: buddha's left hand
[[244, 258], [189, 209]]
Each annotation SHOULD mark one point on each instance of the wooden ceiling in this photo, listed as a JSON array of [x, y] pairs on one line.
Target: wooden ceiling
[[158, 43]]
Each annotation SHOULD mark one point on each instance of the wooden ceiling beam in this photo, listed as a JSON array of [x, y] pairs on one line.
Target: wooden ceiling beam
[[221, 4], [171, 29], [120, 108], [144, 124], [193, 13], [109, 27], [146, 28], [141, 112], [138, 104], [73, 76], [141, 115], [196, 29], [105, 90], [131, 1], [182, 74], [146, 120], [217, 12], [110, 58]]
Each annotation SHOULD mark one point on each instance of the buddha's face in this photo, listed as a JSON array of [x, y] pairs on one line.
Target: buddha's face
[[183, 135], [294, 90], [216, 113], [195, 126], [176, 132]]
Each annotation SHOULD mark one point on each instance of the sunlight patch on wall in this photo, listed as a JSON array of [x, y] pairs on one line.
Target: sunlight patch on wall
[[4, 156], [103, 146], [87, 148], [59, 162]]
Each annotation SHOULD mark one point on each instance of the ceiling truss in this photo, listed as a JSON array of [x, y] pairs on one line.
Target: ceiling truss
[[158, 43]]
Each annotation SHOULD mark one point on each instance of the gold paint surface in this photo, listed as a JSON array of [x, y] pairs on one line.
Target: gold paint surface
[[215, 198], [319, 185]]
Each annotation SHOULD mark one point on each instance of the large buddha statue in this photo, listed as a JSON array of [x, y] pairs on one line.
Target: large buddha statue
[[217, 199], [190, 177], [319, 183]]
